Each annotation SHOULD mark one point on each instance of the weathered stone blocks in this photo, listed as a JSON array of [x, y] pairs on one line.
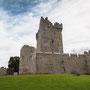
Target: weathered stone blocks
[[27, 60]]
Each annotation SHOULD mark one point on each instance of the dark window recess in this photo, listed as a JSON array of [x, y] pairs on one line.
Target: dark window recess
[[52, 41], [30, 56], [86, 61], [41, 47], [62, 62]]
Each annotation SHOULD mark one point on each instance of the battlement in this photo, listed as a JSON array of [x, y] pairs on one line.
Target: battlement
[[45, 22], [66, 55], [73, 55], [87, 52]]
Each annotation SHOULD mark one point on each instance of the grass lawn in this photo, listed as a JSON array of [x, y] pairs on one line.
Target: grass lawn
[[45, 82]]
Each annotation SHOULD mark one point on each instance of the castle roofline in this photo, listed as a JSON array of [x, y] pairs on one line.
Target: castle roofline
[[47, 22]]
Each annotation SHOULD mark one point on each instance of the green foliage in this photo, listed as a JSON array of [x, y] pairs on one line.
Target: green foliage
[[2, 67], [45, 82], [14, 63]]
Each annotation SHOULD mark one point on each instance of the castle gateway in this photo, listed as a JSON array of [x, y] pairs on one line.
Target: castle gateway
[[48, 57]]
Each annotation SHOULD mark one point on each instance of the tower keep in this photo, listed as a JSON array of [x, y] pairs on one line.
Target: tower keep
[[49, 37]]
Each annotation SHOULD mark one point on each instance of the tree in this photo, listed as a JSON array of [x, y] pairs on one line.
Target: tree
[[14, 63]]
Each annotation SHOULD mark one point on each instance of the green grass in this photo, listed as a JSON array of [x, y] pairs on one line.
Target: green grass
[[45, 82]]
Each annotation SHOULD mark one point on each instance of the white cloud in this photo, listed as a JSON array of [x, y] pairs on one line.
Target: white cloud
[[45, 7], [16, 33], [74, 14]]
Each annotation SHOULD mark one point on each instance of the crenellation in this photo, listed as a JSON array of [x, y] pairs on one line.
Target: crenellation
[[42, 19], [58, 26], [45, 22], [85, 52], [89, 51], [73, 55]]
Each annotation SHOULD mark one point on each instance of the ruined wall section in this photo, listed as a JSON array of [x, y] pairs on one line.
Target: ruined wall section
[[49, 37], [3, 71], [27, 60], [88, 61], [60, 63]]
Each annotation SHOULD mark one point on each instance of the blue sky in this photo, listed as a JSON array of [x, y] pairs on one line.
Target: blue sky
[[18, 7], [19, 22]]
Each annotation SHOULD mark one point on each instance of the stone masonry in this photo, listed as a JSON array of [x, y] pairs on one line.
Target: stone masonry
[[3, 71], [48, 57], [49, 37]]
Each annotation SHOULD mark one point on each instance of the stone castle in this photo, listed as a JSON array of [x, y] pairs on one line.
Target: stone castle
[[48, 57]]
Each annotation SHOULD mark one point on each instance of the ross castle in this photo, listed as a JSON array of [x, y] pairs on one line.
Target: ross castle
[[48, 57]]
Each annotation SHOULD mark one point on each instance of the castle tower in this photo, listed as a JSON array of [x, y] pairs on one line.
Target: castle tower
[[27, 63], [49, 37]]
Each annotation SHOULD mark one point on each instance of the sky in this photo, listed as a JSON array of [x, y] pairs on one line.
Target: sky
[[19, 22]]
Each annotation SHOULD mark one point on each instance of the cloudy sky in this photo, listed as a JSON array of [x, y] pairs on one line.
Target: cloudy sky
[[19, 22]]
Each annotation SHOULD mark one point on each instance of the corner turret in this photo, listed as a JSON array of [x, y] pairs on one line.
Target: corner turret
[[58, 26]]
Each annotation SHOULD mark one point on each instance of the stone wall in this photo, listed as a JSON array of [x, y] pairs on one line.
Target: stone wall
[[88, 61], [3, 71], [27, 60], [10, 71], [52, 63], [61, 63]]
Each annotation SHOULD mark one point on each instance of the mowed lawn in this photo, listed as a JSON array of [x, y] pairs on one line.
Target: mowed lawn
[[45, 82]]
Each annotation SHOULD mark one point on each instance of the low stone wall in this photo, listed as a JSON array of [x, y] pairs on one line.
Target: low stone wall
[[52, 63], [10, 71], [61, 63], [3, 71]]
